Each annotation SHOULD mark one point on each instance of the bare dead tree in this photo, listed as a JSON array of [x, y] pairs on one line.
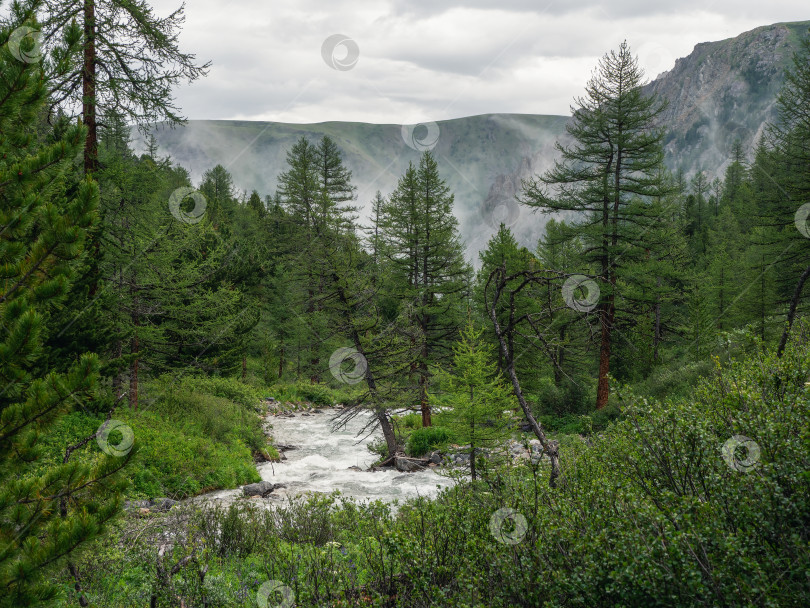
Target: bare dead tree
[[794, 303], [501, 293]]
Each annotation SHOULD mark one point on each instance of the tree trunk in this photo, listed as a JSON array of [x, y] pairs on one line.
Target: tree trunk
[[89, 88], [657, 330], [133, 375], [244, 367], [472, 449], [281, 362], [603, 388], [549, 447], [118, 379], [794, 302], [423, 399]]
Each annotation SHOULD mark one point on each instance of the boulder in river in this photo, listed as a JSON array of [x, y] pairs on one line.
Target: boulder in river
[[263, 488], [408, 465]]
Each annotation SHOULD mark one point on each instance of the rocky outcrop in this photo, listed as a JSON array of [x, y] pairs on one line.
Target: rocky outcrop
[[724, 91]]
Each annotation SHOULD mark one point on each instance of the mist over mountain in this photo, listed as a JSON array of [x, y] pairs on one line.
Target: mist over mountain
[[720, 92]]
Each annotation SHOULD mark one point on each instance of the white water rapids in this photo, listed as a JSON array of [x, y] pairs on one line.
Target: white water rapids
[[321, 459]]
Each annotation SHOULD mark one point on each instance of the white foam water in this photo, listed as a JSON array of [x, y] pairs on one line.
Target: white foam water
[[322, 456]]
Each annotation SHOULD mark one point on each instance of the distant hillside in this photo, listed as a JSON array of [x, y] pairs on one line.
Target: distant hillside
[[722, 91], [473, 154]]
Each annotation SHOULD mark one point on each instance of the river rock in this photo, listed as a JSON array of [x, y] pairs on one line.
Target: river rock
[[407, 465], [162, 505], [436, 457], [354, 467], [263, 488]]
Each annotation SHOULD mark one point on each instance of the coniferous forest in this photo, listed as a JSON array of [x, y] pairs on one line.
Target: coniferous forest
[[621, 410]]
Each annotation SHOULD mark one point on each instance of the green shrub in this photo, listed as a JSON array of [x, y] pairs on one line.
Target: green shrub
[[319, 394], [411, 420], [570, 397], [228, 388], [423, 440]]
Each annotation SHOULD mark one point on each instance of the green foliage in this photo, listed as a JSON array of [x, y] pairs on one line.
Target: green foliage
[[568, 397], [647, 506], [318, 394], [47, 508], [423, 440], [193, 441], [428, 273], [476, 393], [227, 388]]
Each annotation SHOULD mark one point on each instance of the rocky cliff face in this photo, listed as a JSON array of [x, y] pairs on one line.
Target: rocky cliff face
[[724, 91]]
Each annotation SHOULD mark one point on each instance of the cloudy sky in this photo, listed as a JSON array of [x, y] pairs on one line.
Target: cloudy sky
[[408, 61]]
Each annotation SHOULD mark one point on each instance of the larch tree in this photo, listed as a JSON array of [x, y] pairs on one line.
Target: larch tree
[[607, 176], [431, 276], [129, 61], [477, 393]]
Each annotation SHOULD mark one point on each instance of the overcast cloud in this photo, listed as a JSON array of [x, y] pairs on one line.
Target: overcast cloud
[[428, 60]]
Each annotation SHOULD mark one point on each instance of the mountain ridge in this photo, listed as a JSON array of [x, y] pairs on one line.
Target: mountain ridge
[[722, 91]]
